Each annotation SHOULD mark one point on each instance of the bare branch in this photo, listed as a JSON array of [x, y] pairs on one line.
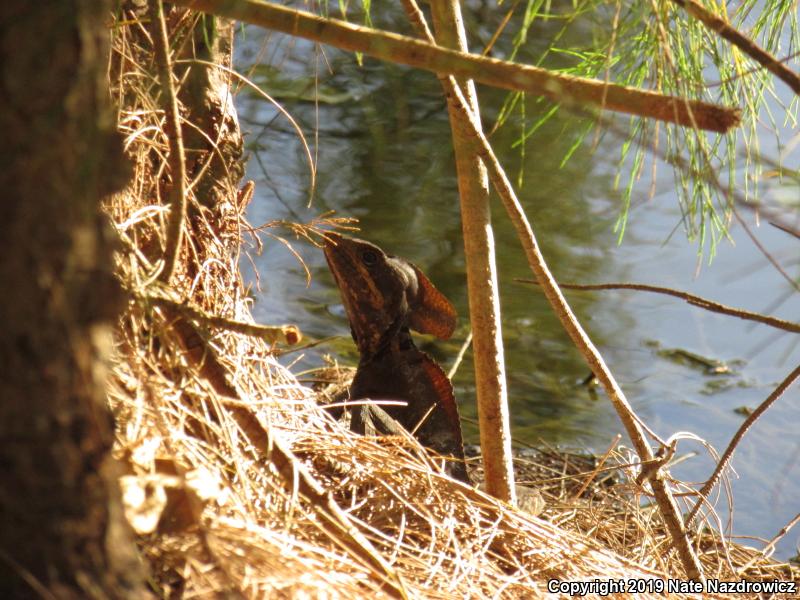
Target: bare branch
[[728, 454], [745, 44], [392, 47], [286, 334], [698, 301]]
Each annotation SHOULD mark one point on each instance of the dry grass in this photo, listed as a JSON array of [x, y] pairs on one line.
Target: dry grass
[[219, 512]]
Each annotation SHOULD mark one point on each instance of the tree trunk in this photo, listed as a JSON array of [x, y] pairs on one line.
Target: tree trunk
[[215, 142], [63, 532]]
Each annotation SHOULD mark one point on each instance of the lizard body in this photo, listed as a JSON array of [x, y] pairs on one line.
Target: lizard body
[[384, 297]]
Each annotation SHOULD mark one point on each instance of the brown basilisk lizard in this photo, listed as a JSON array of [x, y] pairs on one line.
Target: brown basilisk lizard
[[384, 297]]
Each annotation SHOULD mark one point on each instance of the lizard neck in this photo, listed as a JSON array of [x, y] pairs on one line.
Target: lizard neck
[[395, 343]]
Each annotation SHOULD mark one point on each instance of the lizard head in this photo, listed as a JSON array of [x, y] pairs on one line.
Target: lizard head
[[383, 293]]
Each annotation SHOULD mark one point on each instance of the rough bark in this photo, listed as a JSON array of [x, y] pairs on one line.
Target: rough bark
[[63, 533], [215, 144]]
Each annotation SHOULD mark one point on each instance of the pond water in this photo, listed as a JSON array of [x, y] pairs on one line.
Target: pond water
[[381, 140]]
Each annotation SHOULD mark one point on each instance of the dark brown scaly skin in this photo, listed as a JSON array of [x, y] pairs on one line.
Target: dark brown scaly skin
[[384, 297]]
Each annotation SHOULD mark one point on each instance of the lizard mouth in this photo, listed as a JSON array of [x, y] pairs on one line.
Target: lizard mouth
[[329, 250]]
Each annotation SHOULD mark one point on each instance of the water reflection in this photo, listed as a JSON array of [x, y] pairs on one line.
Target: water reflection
[[384, 156]]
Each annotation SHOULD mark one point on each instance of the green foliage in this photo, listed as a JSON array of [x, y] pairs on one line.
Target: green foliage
[[657, 45]]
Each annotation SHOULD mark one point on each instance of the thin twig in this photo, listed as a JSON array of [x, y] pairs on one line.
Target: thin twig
[[767, 254], [726, 456], [177, 165], [309, 345], [786, 229], [745, 44], [460, 356], [770, 547], [745, 73], [312, 165], [698, 301], [287, 334], [598, 467]]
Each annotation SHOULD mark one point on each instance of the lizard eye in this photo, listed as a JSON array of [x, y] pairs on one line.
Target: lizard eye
[[369, 258]]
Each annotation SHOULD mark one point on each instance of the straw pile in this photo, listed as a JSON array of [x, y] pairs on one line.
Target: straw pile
[[239, 484]]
